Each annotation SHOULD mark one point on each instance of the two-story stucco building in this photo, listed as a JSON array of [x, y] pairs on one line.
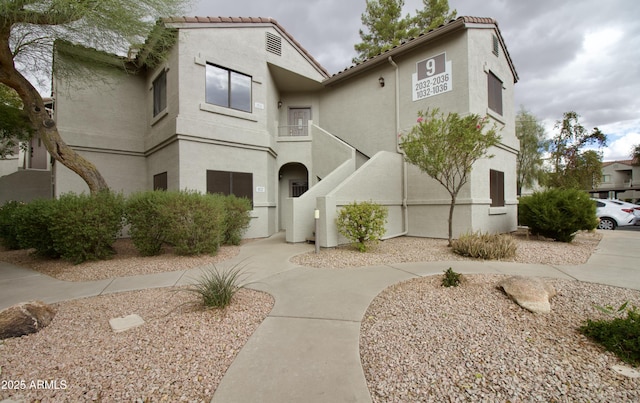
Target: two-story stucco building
[[620, 180], [240, 107]]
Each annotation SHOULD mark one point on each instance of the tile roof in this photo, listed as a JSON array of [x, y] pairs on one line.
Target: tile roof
[[460, 21], [409, 43], [627, 162], [246, 20]]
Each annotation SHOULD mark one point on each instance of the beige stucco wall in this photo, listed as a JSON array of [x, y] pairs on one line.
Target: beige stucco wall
[[374, 127], [124, 139], [104, 120]]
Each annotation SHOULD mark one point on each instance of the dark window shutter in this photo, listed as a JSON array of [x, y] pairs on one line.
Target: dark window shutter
[[226, 183], [495, 93], [219, 182], [242, 185], [496, 188], [160, 181]]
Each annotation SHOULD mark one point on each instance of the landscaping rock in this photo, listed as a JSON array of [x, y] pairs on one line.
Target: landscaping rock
[[125, 323], [25, 318], [531, 293]]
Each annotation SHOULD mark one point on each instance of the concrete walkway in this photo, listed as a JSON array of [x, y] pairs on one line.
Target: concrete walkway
[[307, 349]]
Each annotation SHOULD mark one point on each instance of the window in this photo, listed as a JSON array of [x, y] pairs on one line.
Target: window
[[160, 181], [606, 178], [297, 187], [495, 93], [496, 188], [228, 88], [160, 93], [235, 183], [496, 46]]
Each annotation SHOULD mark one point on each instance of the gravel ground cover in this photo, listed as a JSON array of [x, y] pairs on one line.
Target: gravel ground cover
[[126, 262], [419, 342], [179, 354], [530, 249]]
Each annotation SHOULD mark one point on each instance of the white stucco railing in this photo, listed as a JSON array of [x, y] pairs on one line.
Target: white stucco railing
[[291, 131], [333, 161], [378, 180]]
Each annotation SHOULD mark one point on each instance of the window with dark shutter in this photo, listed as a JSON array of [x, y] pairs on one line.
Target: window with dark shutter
[[495, 93], [239, 184], [496, 188], [160, 181]]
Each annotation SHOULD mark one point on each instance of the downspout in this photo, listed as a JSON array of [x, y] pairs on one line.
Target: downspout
[[405, 210]]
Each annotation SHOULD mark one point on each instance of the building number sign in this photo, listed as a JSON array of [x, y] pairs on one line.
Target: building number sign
[[432, 77]]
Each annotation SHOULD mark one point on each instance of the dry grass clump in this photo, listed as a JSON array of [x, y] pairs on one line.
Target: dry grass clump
[[486, 246]]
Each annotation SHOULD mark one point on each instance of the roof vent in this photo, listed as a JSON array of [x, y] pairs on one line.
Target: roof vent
[[496, 46], [274, 44]]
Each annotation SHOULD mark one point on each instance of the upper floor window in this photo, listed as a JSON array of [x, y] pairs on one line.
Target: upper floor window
[[160, 93], [495, 93], [228, 88]]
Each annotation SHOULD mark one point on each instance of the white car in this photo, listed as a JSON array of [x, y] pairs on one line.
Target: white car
[[634, 207], [613, 215]]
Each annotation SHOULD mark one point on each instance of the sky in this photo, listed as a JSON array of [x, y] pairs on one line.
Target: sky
[[581, 56]]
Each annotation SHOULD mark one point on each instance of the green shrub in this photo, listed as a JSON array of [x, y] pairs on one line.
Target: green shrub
[[620, 335], [195, 222], [558, 213], [84, 227], [147, 226], [32, 222], [362, 223], [8, 228], [451, 278], [237, 218], [217, 287], [485, 246]]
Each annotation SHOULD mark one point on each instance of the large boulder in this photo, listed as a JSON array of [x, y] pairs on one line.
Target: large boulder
[[25, 318], [531, 293]]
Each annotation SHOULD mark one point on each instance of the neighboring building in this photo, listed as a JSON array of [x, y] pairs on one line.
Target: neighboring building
[[26, 175], [240, 107], [620, 180]]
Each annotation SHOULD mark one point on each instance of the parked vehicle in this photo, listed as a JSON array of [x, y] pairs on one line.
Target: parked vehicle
[[613, 215], [634, 207]]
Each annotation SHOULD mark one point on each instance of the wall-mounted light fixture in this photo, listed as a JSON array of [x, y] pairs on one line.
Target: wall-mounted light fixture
[[279, 104], [381, 81]]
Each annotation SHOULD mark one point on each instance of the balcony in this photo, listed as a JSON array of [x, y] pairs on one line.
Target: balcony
[[293, 131]]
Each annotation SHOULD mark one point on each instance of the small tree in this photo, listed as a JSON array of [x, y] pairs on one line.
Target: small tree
[[14, 124], [446, 147], [28, 30], [635, 154], [569, 157], [531, 135], [362, 223]]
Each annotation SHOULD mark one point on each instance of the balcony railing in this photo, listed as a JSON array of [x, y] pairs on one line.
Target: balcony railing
[[296, 130]]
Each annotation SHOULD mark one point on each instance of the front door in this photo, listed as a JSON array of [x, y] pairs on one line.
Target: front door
[[37, 154], [299, 121]]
